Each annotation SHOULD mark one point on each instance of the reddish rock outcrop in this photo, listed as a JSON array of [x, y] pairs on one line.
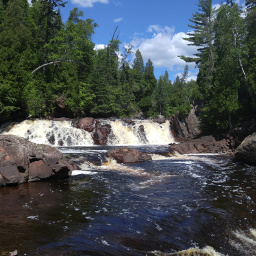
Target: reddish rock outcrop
[[128, 155], [185, 126], [101, 133], [23, 161], [87, 124], [205, 144], [246, 151]]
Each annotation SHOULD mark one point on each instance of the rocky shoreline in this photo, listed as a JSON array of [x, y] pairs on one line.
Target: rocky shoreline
[[22, 161]]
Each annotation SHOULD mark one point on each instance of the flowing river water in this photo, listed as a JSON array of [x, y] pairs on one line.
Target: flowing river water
[[189, 205]]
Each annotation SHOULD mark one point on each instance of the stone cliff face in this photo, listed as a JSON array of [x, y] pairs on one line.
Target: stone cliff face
[[185, 127]]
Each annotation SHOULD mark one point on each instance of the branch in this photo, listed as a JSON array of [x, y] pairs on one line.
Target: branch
[[50, 63], [241, 65]]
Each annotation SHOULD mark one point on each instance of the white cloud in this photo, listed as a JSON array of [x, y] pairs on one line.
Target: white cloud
[[89, 3], [99, 46], [216, 6], [164, 47], [191, 75], [118, 20]]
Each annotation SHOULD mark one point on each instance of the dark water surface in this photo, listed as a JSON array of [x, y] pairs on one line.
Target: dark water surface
[[166, 205]]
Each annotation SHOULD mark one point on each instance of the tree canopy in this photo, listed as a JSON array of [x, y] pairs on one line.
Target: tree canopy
[[52, 68]]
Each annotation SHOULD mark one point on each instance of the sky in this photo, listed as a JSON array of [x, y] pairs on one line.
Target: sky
[[155, 27]]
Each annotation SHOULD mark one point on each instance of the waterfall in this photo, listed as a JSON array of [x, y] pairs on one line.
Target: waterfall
[[141, 132], [62, 133], [55, 133]]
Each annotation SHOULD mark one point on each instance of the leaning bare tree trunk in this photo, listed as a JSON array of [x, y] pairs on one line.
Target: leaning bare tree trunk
[[50, 63]]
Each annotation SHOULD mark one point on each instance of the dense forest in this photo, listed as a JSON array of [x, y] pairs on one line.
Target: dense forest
[[52, 68]]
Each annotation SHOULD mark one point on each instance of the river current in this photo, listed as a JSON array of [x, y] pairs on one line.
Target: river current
[[190, 205], [173, 205]]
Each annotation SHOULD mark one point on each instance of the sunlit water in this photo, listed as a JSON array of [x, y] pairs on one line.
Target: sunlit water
[[193, 205]]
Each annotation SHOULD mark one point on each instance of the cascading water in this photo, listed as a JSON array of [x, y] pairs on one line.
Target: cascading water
[[56, 133], [141, 132], [62, 133]]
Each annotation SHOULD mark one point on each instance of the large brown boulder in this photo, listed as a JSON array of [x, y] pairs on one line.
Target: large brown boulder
[[205, 144], [87, 124], [128, 155], [101, 133], [23, 161], [246, 151], [185, 126]]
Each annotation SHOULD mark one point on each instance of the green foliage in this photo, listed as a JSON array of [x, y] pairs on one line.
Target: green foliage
[[226, 62], [51, 68]]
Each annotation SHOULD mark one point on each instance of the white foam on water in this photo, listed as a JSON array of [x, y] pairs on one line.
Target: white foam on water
[[33, 217], [112, 165], [79, 172], [253, 232], [156, 157], [206, 251], [245, 242]]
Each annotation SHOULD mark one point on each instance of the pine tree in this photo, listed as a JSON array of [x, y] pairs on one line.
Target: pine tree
[[203, 37], [16, 55], [251, 44], [147, 86], [223, 103], [161, 96]]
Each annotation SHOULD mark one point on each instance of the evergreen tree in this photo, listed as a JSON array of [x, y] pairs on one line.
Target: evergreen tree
[[16, 57], [105, 80], [223, 102], [203, 37], [160, 96], [138, 75], [250, 101], [183, 94], [138, 66], [126, 97], [70, 58], [147, 86]]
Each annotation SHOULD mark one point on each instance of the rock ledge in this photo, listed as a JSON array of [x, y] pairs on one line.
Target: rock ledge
[[23, 161]]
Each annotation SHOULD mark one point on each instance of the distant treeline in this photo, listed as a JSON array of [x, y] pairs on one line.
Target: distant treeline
[[51, 68]]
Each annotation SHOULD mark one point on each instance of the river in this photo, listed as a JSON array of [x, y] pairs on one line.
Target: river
[[185, 205]]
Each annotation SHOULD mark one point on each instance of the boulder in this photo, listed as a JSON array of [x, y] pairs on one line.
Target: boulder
[[23, 161], [142, 134], [129, 121], [246, 151], [160, 119], [128, 155], [101, 133], [87, 124], [205, 144], [185, 126]]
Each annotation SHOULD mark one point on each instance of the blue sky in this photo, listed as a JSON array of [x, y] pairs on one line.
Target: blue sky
[[155, 27]]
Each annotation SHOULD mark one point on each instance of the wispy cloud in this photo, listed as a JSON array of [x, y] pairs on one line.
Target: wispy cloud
[[89, 3], [164, 47], [118, 20], [99, 46]]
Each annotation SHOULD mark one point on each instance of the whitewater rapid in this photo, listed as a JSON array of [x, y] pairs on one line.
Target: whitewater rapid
[[62, 133]]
